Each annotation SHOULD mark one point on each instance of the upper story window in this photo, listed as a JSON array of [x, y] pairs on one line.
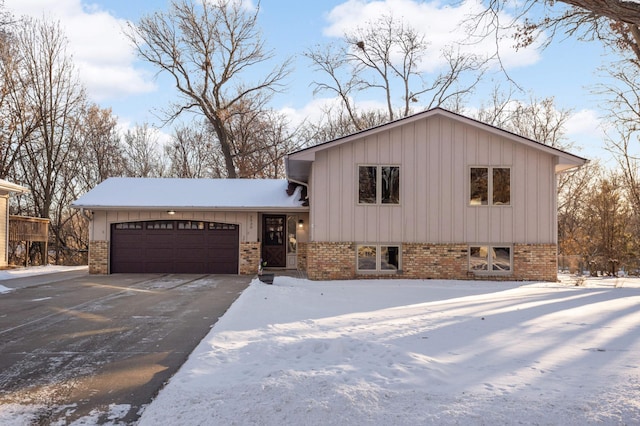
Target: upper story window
[[379, 185], [490, 186]]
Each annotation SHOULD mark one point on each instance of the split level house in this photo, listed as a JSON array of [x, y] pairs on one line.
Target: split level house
[[435, 196]]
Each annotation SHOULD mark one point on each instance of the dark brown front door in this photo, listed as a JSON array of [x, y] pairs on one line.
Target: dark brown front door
[[175, 246], [274, 248]]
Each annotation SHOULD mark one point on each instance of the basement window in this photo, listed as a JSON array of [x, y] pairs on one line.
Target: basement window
[[490, 259], [378, 258]]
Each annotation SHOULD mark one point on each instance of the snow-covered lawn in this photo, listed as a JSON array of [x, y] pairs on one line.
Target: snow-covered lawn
[[406, 352]]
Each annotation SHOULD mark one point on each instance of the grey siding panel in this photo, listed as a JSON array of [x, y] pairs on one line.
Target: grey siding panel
[[518, 195], [348, 191], [418, 187], [334, 224], [459, 184], [435, 155], [102, 220], [321, 192], [434, 182], [532, 194]]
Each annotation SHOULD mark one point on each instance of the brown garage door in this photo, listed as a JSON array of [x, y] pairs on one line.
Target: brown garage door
[[175, 246]]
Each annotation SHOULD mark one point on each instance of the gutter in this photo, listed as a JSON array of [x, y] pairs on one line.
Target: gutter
[[195, 208]]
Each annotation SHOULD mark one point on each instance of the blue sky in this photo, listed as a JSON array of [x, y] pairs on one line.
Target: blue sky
[[116, 79]]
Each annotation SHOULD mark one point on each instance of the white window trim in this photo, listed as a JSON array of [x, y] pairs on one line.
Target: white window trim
[[378, 184], [489, 186], [378, 269], [490, 270]]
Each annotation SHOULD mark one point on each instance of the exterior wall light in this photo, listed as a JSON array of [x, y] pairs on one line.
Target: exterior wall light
[[171, 212], [301, 224]]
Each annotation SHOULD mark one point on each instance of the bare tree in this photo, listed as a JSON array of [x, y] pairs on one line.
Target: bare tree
[[18, 119], [623, 133], [207, 47], [100, 148], [606, 223], [54, 95], [536, 119], [617, 10], [142, 153], [385, 56], [616, 23], [261, 142], [191, 153], [336, 122]]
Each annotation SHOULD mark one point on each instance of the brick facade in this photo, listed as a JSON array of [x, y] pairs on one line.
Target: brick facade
[[535, 262], [337, 261], [331, 261], [435, 261], [99, 257], [249, 258]]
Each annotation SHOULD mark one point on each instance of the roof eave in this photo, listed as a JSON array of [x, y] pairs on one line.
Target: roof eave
[[308, 154], [190, 208], [12, 187]]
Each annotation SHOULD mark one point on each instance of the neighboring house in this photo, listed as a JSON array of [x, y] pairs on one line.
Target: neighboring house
[[434, 195], [6, 190]]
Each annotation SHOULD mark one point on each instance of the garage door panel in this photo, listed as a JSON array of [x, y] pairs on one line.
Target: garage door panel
[[217, 256], [173, 247], [161, 254], [158, 267]]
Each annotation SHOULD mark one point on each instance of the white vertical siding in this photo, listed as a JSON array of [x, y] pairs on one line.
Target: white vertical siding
[[434, 155], [102, 220]]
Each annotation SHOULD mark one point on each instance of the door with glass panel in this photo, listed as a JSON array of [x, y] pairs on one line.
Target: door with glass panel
[[274, 241]]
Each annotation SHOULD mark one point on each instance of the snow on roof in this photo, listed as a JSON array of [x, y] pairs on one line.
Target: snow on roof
[[7, 186], [168, 193]]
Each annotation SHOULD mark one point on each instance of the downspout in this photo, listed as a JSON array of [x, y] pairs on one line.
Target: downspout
[[83, 213]]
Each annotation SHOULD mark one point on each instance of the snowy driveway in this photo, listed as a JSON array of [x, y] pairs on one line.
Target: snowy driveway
[[101, 346]]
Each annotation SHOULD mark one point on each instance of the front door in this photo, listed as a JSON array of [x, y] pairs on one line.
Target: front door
[[274, 247]]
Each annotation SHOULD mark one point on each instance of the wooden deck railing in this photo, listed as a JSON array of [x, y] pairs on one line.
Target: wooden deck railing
[[24, 228]]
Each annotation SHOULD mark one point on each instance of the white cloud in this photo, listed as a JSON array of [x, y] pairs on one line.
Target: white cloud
[[105, 59], [314, 111], [584, 123], [442, 25]]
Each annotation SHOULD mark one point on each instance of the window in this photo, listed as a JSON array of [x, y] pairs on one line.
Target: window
[[490, 180], [189, 225], [160, 224], [490, 259], [378, 258], [379, 185], [292, 233], [129, 225], [220, 226], [389, 258]]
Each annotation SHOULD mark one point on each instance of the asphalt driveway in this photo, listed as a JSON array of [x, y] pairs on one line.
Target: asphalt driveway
[[76, 344]]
